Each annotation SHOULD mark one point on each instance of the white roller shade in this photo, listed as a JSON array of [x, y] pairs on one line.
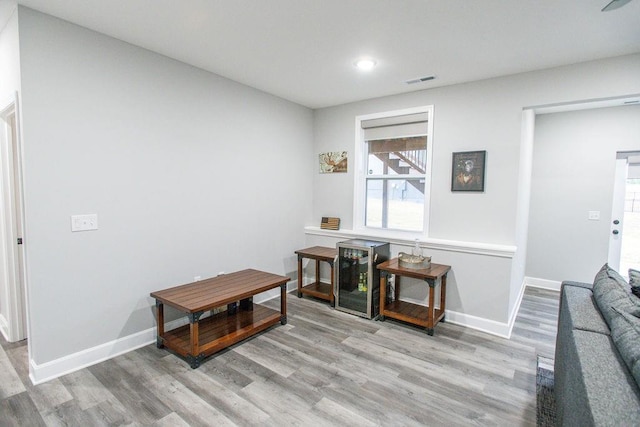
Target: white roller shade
[[395, 127], [634, 171]]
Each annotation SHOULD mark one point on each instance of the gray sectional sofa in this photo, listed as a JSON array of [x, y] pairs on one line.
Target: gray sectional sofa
[[597, 359]]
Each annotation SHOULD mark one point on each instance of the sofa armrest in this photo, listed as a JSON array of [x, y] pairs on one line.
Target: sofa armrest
[[577, 284]]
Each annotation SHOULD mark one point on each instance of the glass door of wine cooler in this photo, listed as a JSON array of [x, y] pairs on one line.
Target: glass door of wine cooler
[[358, 281]]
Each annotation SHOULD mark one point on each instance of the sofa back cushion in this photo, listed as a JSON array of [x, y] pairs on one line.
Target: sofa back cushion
[[610, 291], [625, 331], [634, 281]]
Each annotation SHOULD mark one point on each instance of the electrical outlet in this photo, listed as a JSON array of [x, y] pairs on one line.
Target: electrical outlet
[[221, 273], [594, 215], [84, 222], [196, 278]]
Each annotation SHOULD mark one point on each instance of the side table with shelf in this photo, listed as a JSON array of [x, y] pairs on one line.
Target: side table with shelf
[[318, 288], [419, 315]]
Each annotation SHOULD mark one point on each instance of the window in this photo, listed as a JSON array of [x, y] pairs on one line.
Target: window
[[393, 151]]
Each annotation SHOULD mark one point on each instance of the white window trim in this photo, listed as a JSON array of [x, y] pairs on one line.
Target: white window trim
[[359, 185]]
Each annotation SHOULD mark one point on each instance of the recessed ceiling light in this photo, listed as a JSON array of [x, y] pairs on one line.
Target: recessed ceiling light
[[365, 64]]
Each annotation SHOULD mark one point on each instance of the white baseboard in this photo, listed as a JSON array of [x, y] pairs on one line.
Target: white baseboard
[[553, 285], [478, 323], [516, 307], [40, 373], [4, 327]]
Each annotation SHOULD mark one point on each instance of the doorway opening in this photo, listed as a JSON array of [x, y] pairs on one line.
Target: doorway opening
[[630, 239], [13, 321]]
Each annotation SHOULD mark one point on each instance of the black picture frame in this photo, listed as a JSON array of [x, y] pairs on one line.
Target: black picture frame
[[468, 171]]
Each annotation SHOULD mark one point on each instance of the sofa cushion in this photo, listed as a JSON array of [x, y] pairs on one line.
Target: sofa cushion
[[602, 273], [634, 281], [625, 331], [610, 290], [595, 387], [579, 310]]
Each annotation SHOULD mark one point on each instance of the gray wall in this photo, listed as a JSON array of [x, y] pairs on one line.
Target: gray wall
[[574, 157], [190, 174]]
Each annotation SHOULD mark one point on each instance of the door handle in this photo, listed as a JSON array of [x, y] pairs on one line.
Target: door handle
[[615, 232], [616, 222]]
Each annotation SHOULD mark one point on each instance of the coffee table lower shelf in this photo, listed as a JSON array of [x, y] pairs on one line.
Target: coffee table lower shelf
[[412, 313], [318, 290], [220, 331]]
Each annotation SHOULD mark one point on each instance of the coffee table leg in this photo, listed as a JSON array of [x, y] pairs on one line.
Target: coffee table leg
[[160, 320], [283, 304], [194, 329], [384, 281], [246, 304], [232, 308], [299, 276], [332, 298], [431, 310]]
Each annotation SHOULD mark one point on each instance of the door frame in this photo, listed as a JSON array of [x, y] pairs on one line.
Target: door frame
[[13, 256], [617, 212]]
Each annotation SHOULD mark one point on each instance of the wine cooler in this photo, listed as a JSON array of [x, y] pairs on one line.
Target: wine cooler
[[358, 279]]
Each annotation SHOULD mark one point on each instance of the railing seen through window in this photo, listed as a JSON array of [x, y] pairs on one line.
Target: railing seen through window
[[396, 183]]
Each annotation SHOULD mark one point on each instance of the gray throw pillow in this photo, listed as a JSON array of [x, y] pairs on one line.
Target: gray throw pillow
[[611, 290], [625, 332], [634, 281]]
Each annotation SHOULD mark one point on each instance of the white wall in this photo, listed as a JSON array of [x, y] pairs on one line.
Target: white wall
[[573, 173], [484, 115], [9, 85], [190, 174]]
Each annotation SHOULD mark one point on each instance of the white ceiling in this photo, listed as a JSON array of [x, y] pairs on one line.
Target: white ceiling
[[304, 50]]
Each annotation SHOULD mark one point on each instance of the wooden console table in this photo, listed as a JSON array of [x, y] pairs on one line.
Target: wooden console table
[[317, 289], [426, 317], [203, 337]]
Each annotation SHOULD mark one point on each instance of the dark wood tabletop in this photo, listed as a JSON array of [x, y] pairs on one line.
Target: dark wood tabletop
[[318, 252], [218, 291], [433, 272]]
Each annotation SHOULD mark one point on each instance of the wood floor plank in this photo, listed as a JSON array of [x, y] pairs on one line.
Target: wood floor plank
[[171, 420], [184, 402], [19, 410], [133, 394], [10, 382], [217, 395], [339, 415], [85, 389]]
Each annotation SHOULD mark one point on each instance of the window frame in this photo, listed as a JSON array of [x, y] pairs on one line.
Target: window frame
[[360, 180]]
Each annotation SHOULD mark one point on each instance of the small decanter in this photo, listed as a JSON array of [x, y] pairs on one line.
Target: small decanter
[[416, 251]]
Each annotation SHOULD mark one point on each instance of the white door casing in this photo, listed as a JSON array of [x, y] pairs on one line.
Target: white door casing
[[617, 213], [11, 222]]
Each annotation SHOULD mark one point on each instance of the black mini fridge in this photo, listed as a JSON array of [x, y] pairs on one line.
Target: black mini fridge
[[358, 280]]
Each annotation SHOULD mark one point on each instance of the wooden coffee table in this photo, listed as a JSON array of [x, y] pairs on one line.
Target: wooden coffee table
[[203, 337]]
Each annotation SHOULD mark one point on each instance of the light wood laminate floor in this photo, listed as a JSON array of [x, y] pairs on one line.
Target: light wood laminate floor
[[324, 367]]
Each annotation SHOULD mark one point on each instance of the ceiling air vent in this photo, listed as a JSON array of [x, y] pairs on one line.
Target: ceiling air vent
[[420, 80]]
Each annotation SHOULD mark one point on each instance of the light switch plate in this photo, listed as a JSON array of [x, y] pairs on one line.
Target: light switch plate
[[84, 222]]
